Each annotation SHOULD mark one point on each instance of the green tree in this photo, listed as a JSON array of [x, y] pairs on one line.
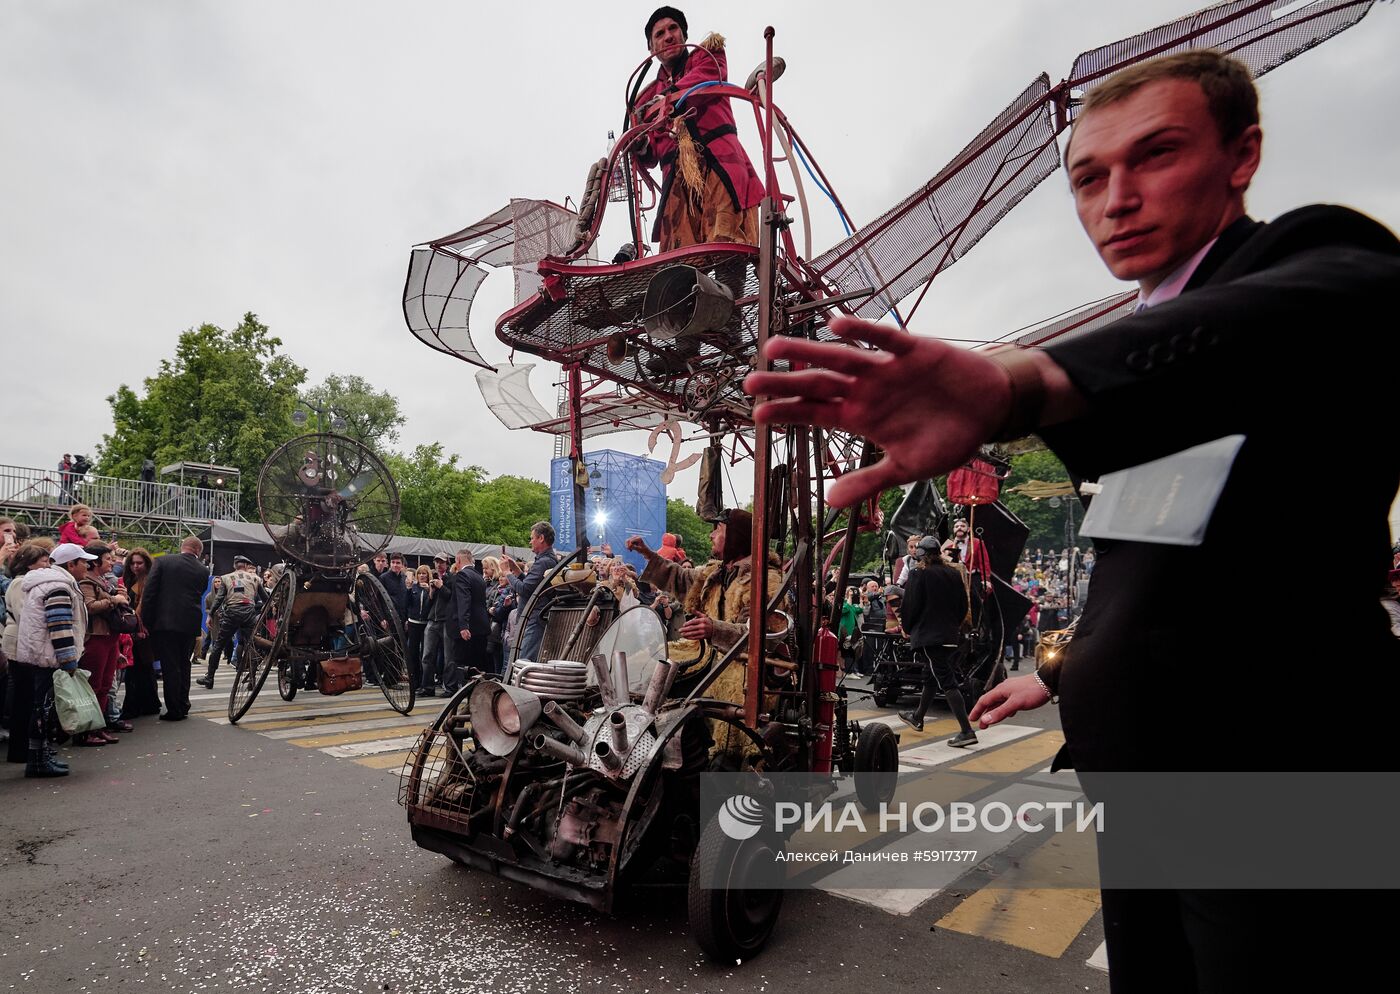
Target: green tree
[[435, 494], [505, 507], [442, 499], [1047, 523], [372, 416], [225, 397], [682, 520]]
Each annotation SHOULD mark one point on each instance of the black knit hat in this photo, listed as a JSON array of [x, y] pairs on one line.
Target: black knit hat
[[673, 14]]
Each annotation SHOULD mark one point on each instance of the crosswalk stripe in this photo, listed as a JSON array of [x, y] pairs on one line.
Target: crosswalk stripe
[[354, 749], [938, 753], [937, 876], [1030, 751], [392, 763], [315, 712], [303, 728], [940, 729], [1045, 921], [369, 735], [1098, 959]]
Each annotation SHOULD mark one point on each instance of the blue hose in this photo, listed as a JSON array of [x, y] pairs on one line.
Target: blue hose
[[845, 221]]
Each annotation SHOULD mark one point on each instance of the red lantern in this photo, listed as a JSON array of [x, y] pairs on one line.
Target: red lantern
[[975, 483]]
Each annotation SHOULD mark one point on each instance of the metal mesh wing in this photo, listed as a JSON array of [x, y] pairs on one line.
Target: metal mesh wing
[[507, 393], [437, 302], [935, 226], [1263, 34], [1079, 321], [445, 273]]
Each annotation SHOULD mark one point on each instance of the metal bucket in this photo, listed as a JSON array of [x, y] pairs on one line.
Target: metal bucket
[[682, 302]]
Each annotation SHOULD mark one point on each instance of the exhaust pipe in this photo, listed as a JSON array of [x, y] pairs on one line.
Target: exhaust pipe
[[552, 747], [609, 758], [622, 686], [561, 718], [618, 725], [605, 681], [657, 687]]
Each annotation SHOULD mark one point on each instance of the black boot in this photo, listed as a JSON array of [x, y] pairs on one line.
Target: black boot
[[958, 706], [52, 755], [207, 680], [40, 765]]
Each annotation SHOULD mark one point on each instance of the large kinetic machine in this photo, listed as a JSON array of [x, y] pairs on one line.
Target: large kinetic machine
[[577, 773], [329, 505]]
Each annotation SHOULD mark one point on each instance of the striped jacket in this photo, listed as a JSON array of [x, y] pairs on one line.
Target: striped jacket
[[53, 623]]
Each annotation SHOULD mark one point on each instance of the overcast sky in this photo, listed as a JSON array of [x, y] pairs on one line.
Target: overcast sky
[[173, 163]]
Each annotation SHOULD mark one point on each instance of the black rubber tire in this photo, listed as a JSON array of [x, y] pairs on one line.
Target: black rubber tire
[[877, 765], [733, 924], [286, 680]]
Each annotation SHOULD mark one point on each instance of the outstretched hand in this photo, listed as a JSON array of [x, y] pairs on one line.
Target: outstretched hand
[[928, 404], [1022, 693]]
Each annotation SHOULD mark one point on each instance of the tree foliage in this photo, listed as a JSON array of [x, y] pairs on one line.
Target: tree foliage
[[225, 398], [1047, 523], [372, 416], [682, 520], [442, 499]]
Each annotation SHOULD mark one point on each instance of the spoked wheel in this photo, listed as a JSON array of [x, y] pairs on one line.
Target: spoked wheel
[[268, 641], [383, 652], [732, 899], [287, 679], [877, 765]]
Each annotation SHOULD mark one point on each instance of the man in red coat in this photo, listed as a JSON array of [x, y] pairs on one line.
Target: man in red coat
[[709, 189]]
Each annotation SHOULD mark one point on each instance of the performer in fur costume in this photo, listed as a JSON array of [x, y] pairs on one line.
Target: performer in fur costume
[[717, 599]]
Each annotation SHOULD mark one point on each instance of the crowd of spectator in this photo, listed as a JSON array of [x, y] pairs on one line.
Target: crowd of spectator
[[79, 602], [464, 613]]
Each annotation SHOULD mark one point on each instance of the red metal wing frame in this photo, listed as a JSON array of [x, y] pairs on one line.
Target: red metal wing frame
[[1263, 34], [935, 226]]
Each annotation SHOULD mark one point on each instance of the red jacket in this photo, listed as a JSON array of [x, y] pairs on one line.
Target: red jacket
[[711, 126], [669, 550]]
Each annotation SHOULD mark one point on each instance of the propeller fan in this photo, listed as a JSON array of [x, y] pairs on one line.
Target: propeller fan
[[327, 501]]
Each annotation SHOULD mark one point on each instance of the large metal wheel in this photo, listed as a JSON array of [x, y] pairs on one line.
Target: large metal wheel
[[732, 912], [266, 645], [382, 647]]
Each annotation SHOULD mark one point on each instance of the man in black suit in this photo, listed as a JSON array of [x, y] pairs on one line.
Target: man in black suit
[[171, 610], [1223, 347], [470, 623]]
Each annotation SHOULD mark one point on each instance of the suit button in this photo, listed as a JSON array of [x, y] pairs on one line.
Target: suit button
[[1160, 353], [1138, 361], [1204, 338]]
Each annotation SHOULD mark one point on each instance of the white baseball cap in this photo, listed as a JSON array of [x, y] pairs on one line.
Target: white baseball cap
[[67, 552]]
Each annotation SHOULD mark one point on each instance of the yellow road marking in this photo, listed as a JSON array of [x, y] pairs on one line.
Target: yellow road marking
[[1016, 756], [1044, 921], [364, 735], [272, 723], [388, 761]]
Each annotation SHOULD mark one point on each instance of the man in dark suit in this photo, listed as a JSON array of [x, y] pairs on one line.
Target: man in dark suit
[[470, 623], [171, 610], [1159, 162]]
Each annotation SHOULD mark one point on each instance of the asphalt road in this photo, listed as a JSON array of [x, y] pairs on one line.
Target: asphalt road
[[197, 856]]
